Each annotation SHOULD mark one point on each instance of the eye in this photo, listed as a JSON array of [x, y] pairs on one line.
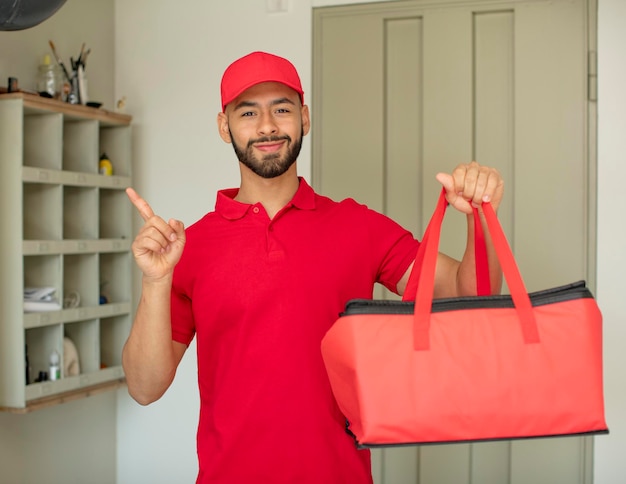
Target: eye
[[247, 114]]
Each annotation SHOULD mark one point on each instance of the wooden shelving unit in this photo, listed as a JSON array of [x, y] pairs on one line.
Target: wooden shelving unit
[[68, 227]]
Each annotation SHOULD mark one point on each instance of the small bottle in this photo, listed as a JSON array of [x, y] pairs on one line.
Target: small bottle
[[105, 167], [55, 369], [49, 80]]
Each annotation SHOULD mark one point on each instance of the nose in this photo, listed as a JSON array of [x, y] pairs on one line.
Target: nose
[[267, 124]]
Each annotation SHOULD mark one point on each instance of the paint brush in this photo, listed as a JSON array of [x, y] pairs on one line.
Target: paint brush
[[59, 61], [80, 56], [84, 59]]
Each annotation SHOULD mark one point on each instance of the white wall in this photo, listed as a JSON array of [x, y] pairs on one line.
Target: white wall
[[610, 464]]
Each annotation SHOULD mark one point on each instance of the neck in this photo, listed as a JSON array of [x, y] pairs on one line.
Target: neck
[[272, 193]]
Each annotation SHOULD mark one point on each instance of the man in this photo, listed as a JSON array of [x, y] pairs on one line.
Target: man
[[260, 280]]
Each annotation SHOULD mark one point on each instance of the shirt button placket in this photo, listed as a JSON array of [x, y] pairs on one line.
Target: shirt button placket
[[274, 249]]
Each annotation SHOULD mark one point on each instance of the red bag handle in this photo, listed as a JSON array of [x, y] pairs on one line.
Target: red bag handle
[[483, 283], [428, 258]]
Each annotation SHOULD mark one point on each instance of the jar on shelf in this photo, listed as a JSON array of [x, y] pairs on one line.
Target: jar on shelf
[[49, 79]]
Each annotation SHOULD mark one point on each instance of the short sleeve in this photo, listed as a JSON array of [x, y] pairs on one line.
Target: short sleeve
[[392, 247], [183, 326]]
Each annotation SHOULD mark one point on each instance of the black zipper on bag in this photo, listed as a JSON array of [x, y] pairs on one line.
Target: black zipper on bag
[[568, 292], [366, 445]]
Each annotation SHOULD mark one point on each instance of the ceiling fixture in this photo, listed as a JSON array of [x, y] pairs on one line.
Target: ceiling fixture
[[24, 14]]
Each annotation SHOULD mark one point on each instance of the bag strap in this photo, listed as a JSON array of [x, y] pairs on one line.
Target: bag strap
[[426, 276], [483, 283]]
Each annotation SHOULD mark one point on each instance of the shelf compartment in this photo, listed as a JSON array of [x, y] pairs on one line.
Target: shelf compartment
[[43, 138], [43, 271], [80, 275], [113, 334], [42, 211], [115, 141], [41, 343], [84, 335], [80, 146], [115, 218], [115, 276], [80, 213]]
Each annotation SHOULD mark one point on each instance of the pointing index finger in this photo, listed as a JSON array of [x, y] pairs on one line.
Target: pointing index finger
[[142, 206]]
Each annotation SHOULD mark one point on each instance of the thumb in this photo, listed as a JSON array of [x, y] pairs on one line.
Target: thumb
[[174, 250], [447, 181], [454, 199], [179, 229]]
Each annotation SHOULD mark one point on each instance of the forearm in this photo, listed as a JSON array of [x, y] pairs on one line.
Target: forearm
[[150, 357]]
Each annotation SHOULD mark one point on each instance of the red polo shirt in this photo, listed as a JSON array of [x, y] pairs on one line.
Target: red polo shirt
[[259, 295]]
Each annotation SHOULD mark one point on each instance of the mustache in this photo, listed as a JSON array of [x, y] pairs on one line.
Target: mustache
[[269, 139]]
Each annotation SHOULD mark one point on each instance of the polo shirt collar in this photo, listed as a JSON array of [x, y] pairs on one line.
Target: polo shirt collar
[[230, 209]]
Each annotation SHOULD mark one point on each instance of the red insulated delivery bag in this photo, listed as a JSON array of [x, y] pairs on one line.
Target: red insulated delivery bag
[[468, 368]]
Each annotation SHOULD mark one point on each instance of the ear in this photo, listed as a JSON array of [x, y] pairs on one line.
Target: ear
[[306, 120], [222, 127]]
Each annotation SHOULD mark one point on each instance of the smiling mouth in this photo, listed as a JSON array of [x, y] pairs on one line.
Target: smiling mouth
[[270, 147]]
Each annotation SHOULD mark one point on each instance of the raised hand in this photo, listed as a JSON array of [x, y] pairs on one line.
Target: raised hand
[[159, 244], [472, 184]]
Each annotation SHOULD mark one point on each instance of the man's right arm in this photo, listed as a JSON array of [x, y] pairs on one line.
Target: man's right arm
[[150, 356]]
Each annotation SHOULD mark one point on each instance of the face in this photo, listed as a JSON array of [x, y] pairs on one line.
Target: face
[[265, 125]]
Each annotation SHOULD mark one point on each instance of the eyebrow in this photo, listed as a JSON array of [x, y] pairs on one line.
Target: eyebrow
[[252, 104]]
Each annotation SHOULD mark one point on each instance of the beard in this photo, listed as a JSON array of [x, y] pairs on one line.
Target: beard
[[273, 164]]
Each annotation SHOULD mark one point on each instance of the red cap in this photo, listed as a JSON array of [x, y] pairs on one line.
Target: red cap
[[255, 68]]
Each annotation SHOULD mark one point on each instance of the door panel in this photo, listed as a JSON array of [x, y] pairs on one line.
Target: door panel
[[493, 94], [403, 90], [490, 463], [403, 127]]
